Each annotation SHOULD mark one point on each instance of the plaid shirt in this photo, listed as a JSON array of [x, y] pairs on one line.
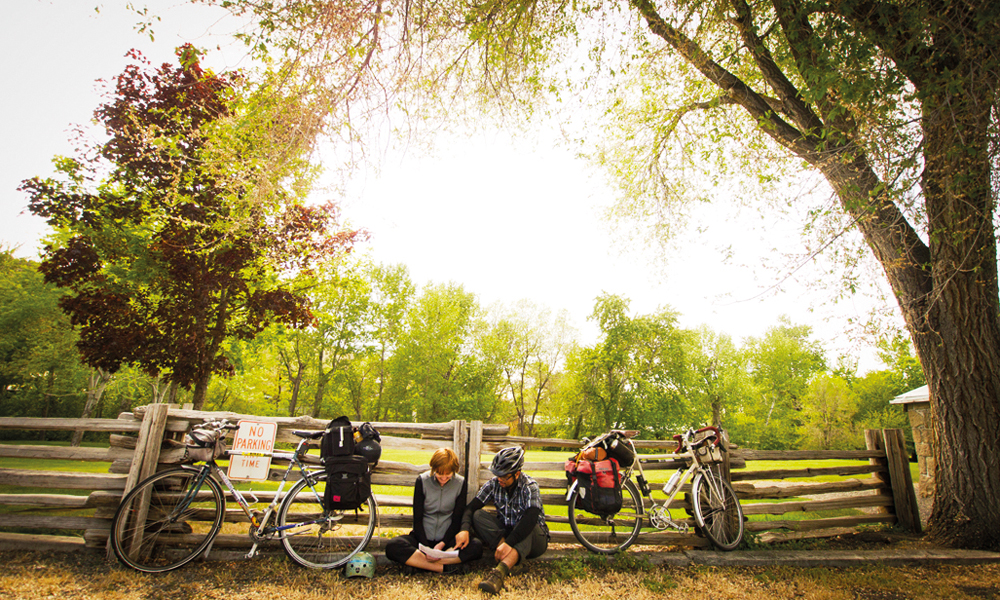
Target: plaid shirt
[[511, 504]]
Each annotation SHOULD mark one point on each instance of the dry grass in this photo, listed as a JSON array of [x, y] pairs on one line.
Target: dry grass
[[33, 576]]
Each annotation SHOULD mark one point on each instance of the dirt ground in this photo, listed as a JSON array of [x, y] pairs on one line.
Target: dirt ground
[[36, 575]]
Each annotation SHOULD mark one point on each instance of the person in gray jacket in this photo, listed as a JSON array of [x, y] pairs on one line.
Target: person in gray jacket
[[438, 504]]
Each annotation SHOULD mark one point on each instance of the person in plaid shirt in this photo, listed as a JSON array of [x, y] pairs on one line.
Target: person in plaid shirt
[[518, 529]]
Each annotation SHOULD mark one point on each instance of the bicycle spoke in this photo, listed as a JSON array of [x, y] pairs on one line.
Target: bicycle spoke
[[319, 539], [163, 523], [718, 510], [609, 534]]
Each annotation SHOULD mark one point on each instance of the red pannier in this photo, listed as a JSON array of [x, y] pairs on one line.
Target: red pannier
[[600, 487]]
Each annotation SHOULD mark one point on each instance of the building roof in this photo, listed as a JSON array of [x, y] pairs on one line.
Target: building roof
[[921, 394]]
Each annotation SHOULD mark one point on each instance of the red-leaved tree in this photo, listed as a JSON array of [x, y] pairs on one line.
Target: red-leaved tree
[[170, 235]]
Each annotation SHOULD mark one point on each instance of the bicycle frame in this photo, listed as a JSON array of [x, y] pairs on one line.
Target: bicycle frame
[[715, 508], [659, 512], [260, 531]]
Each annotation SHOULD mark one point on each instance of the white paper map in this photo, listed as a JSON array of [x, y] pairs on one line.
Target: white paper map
[[432, 553]]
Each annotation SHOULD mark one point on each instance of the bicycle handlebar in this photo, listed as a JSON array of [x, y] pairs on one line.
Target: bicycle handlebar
[[715, 438], [215, 428]]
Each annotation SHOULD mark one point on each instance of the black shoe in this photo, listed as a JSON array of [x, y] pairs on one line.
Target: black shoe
[[408, 570], [456, 569]]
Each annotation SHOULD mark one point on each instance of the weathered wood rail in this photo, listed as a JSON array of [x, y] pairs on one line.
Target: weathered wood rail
[[150, 438], [885, 495]]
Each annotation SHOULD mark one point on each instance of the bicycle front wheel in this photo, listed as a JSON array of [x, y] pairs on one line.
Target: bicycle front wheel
[[717, 510], [321, 539], [608, 534], [167, 520]]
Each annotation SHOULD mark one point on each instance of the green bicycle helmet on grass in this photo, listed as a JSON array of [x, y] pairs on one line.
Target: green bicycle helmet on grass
[[361, 564]]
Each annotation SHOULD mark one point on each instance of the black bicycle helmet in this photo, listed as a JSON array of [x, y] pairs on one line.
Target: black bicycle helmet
[[370, 449], [507, 461]]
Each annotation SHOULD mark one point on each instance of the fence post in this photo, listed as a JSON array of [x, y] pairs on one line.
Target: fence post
[[903, 496], [147, 446], [873, 441], [460, 444], [725, 466], [147, 449], [473, 459]]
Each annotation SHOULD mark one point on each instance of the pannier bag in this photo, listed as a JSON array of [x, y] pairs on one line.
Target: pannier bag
[[348, 482], [338, 439], [600, 485]]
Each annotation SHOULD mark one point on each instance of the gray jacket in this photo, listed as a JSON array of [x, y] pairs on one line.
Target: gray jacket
[[435, 507]]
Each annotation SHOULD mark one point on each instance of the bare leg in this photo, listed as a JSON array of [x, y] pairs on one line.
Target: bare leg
[[419, 561], [511, 559]]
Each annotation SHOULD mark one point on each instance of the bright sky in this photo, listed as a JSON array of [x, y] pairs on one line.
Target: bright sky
[[508, 219]]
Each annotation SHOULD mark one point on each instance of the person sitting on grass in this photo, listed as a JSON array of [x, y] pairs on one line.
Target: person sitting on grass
[[438, 505], [518, 529]]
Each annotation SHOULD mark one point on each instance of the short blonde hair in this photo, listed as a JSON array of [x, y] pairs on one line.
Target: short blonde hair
[[444, 459]]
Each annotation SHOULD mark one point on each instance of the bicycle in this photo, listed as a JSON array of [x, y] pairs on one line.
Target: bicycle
[[715, 506], [172, 517]]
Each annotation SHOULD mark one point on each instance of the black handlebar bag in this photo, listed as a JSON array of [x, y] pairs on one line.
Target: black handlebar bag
[[348, 482]]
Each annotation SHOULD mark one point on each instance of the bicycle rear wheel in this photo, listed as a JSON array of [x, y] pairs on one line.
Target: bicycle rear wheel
[[608, 534], [323, 539], [717, 510], [167, 520]]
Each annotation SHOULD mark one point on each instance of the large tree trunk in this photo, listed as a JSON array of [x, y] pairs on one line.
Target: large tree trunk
[[959, 345], [947, 292], [201, 390], [296, 372], [206, 366]]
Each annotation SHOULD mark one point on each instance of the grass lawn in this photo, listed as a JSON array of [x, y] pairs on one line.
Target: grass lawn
[[38, 575]]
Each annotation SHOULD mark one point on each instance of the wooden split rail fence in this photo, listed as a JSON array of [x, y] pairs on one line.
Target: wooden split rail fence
[[74, 502]]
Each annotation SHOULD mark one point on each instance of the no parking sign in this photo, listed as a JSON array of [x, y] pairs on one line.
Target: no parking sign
[[250, 456]]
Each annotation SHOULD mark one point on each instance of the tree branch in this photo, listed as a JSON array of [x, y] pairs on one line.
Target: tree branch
[[801, 143], [799, 32], [788, 94], [863, 196], [884, 25]]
